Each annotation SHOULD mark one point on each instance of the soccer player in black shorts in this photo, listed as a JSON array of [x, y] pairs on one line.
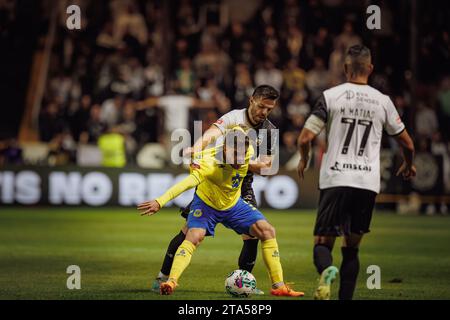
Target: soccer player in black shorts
[[355, 116], [263, 100]]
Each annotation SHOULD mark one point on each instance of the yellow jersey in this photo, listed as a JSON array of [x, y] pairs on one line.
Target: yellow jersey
[[218, 184]]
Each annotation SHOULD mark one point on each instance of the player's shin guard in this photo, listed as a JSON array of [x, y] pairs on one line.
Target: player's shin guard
[[171, 250], [322, 257], [248, 254], [181, 260], [349, 273], [271, 257]]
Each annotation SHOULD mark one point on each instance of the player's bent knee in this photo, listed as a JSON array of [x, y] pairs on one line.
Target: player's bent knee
[[352, 241], [268, 233], [263, 230], [195, 236]]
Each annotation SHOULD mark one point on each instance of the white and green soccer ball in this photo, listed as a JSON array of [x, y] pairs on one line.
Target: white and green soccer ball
[[240, 283]]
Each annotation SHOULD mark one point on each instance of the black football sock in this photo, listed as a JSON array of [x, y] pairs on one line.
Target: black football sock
[[322, 257], [348, 273], [247, 258], [171, 250]]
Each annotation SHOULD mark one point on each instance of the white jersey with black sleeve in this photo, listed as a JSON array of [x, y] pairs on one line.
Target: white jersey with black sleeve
[[266, 140], [355, 116], [266, 130]]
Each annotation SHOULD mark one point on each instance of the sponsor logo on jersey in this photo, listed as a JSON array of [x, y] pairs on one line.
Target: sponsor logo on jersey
[[336, 167], [235, 181], [348, 94], [350, 167]]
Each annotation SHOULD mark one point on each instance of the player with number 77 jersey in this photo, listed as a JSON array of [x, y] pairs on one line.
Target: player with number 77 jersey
[[354, 116]]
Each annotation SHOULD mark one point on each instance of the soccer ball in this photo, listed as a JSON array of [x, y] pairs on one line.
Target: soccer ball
[[240, 283]]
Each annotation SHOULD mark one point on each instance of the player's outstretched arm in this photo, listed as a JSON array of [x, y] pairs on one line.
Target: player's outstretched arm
[[153, 206], [407, 169], [304, 146]]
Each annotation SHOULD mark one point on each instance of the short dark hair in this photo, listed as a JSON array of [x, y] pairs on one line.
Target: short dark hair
[[358, 57], [266, 92]]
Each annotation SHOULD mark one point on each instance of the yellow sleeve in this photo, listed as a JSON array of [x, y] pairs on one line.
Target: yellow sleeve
[[189, 182]]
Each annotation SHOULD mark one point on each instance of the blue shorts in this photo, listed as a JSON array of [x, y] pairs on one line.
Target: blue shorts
[[238, 218]]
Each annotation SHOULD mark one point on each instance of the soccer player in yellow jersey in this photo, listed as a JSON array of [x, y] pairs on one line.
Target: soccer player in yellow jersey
[[217, 200]]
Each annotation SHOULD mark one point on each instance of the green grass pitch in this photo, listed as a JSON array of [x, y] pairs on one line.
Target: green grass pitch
[[120, 252]]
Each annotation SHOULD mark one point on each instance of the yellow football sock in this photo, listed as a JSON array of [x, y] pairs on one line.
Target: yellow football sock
[[271, 257], [182, 259]]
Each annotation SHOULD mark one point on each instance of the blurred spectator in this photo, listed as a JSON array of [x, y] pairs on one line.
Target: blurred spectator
[[269, 74], [321, 45], [50, 122], [293, 77], [236, 40], [62, 149], [210, 94], [112, 111], [94, 127], [155, 79], [106, 38], [127, 127], [347, 38], [444, 107], [289, 146], [135, 77], [81, 117], [211, 61], [185, 77], [112, 147], [298, 106], [426, 121], [10, 153], [317, 79], [128, 21], [294, 42], [243, 86], [247, 56], [335, 64], [186, 22]]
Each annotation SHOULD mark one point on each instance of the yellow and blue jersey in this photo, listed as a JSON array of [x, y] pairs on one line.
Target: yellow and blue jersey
[[218, 184]]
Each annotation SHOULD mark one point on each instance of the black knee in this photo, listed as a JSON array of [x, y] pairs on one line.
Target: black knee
[[176, 242], [171, 250], [249, 251], [349, 272], [322, 257]]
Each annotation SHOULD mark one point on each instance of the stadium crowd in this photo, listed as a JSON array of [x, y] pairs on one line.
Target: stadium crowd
[[132, 72]]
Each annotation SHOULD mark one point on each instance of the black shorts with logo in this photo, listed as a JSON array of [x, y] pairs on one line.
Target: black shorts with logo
[[344, 210]]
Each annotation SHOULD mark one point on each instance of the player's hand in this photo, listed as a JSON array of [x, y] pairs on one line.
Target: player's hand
[[188, 152], [194, 165], [149, 208], [302, 164], [407, 171]]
